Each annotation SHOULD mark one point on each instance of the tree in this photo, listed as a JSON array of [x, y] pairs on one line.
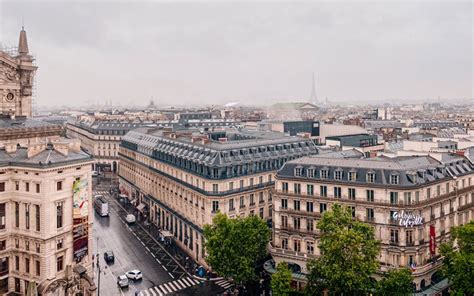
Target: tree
[[235, 245], [281, 280], [396, 282], [348, 258], [459, 264]]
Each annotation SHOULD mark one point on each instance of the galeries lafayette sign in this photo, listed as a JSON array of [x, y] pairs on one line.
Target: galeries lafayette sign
[[407, 219]]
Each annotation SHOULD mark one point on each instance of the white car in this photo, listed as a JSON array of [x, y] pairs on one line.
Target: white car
[[130, 218], [122, 281], [134, 274]]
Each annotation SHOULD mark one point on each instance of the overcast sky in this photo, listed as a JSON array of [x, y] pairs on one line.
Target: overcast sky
[[191, 53]]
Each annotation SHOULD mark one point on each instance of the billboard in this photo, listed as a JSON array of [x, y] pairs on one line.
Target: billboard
[[80, 198], [432, 240], [80, 213]]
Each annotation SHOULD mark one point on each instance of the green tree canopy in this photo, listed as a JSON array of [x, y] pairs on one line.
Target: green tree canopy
[[234, 245], [459, 264], [396, 282], [281, 280], [348, 258]]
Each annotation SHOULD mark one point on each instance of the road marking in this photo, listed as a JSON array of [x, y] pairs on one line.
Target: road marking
[[158, 261], [228, 285], [161, 288], [171, 275], [164, 267], [167, 288], [220, 282], [148, 249], [153, 255], [171, 284], [187, 283], [146, 292], [157, 290], [181, 283]]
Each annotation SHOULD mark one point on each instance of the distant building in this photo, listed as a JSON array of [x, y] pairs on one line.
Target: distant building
[[292, 128]]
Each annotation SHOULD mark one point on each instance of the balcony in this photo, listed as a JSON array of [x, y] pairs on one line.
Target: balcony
[[466, 206], [299, 230], [410, 244], [300, 212]]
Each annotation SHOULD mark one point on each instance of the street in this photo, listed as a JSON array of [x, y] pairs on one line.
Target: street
[[135, 247]]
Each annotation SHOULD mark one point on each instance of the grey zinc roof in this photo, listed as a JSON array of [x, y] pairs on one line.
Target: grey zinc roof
[[46, 157], [22, 122], [412, 170]]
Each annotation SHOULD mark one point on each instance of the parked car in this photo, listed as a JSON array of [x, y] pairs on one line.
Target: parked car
[[95, 173], [122, 281], [130, 218], [134, 274], [109, 256]]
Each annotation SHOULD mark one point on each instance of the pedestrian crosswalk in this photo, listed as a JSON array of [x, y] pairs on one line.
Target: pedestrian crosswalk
[[101, 192], [224, 284], [170, 287]]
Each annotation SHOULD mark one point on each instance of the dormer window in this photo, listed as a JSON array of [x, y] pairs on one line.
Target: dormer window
[[394, 179], [352, 176], [338, 174], [298, 171], [370, 177], [310, 173], [324, 174]]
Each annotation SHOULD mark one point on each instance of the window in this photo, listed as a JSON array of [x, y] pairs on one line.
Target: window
[[59, 244], [38, 268], [261, 213], [352, 193], [27, 245], [284, 243], [241, 184], [428, 192], [17, 263], [27, 216], [352, 176], [394, 179], [38, 248], [231, 185], [242, 202], [27, 186], [310, 189], [310, 247], [309, 224], [296, 205], [260, 180], [252, 200], [3, 245], [38, 217], [59, 185], [407, 198], [231, 204], [215, 206], [298, 172], [284, 221], [310, 173], [370, 177], [215, 188], [353, 211], [309, 206], [2, 216], [323, 207], [297, 188], [38, 188], [323, 190], [297, 223], [370, 214], [393, 235], [393, 198], [59, 215], [2, 186], [17, 214], [17, 185], [409, 237], [337, 192], [60, 263], [370, 195], [284, 186], [324, 174], [260, 197], [297, 245], [338, 175], [438, 190], [27, 265], [284, 203]]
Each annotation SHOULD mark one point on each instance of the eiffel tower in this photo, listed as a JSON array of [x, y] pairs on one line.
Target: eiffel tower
[[313, 98]]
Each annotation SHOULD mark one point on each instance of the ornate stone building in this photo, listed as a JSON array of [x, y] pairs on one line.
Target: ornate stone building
[[411, 201], [17, 72], [45, 194]]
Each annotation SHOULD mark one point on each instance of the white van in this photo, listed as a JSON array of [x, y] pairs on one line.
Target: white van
[[101, 206]]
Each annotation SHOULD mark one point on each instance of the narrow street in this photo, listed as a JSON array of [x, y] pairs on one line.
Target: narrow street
[[136, 247]]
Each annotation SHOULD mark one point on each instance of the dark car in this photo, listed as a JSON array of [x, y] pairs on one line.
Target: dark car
[[109, 256]]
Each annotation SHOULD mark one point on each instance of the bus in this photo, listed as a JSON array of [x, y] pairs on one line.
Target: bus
[[101, 206]]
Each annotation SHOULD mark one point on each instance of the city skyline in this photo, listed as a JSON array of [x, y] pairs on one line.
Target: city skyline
[[252, 53]]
